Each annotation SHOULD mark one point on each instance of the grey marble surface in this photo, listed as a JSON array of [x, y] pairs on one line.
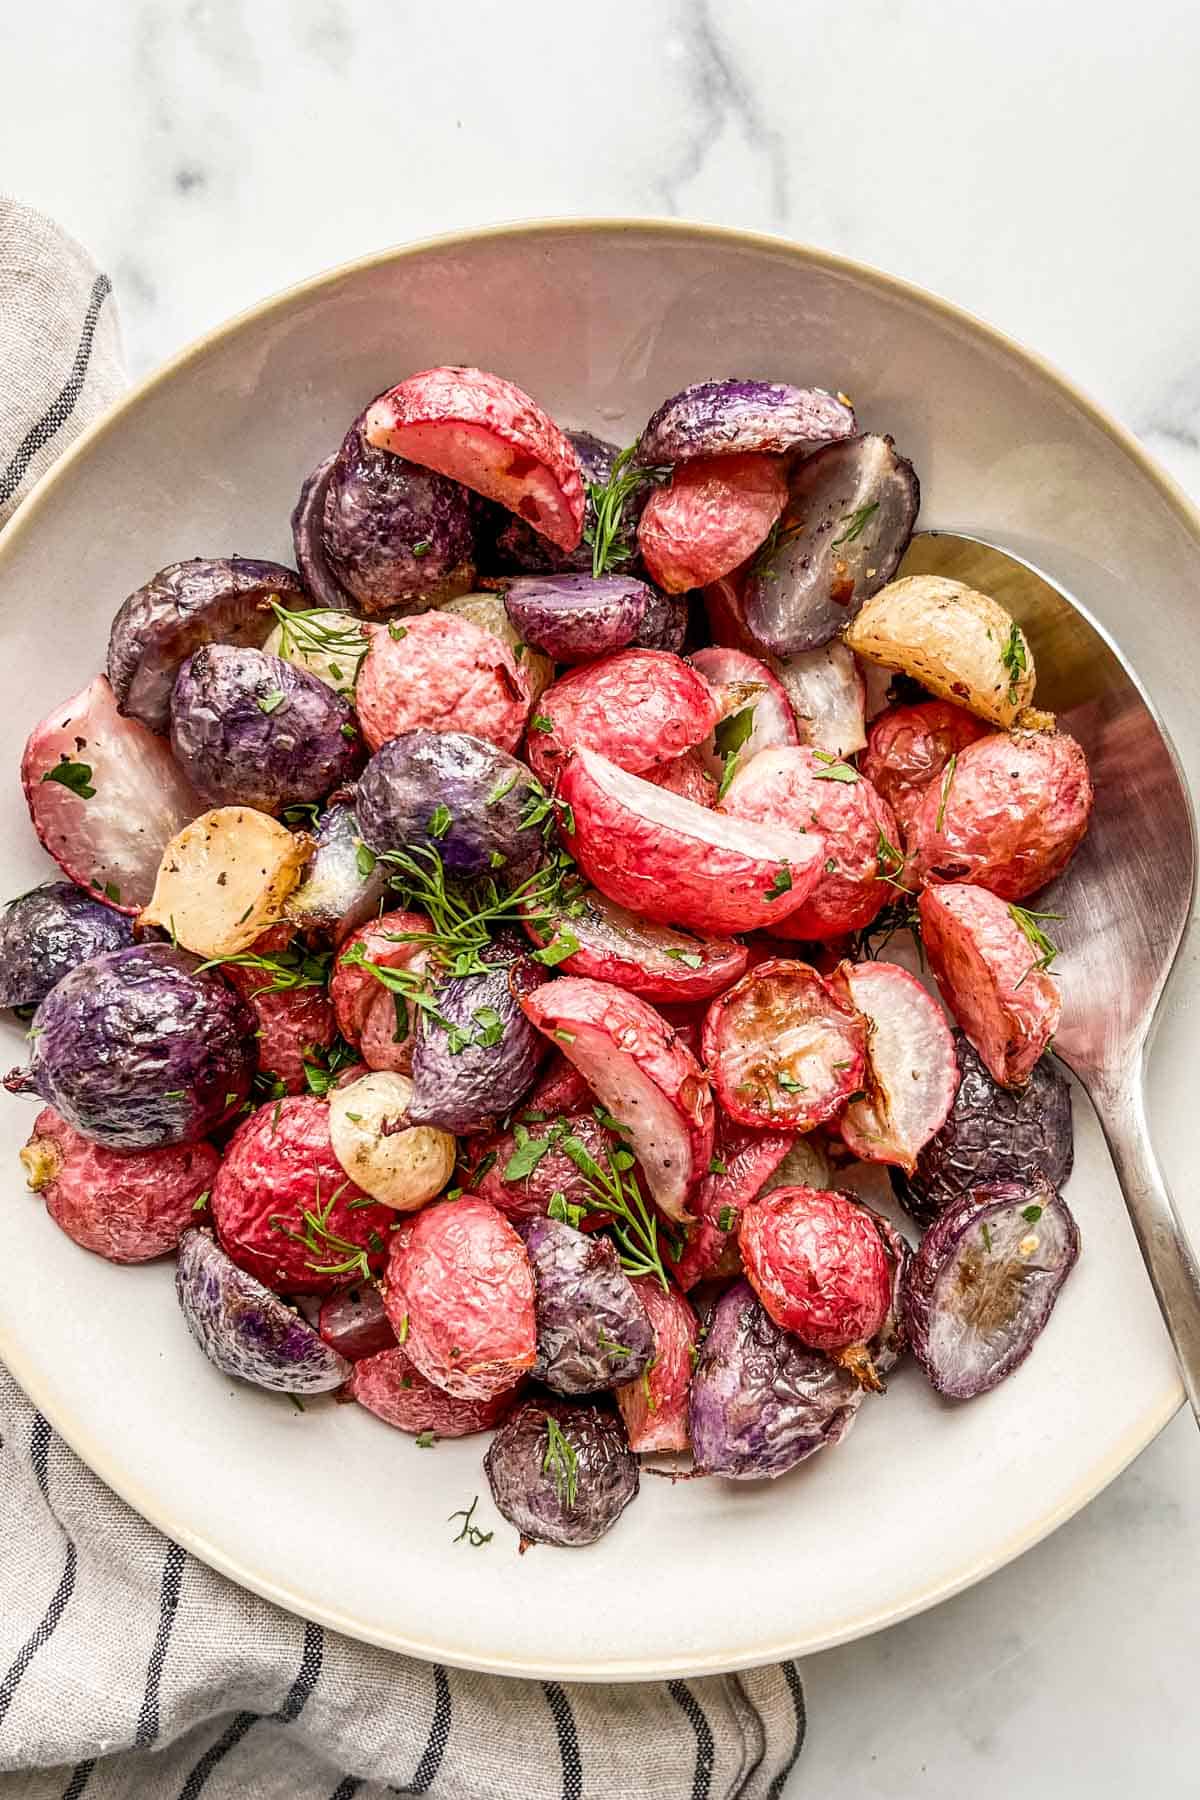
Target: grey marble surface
[[1034, 160]]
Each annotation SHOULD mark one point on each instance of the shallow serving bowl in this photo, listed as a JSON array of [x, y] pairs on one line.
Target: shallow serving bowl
[[329, 1512]]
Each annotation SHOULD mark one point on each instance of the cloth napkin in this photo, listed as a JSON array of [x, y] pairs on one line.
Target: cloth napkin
[[129, 1669]]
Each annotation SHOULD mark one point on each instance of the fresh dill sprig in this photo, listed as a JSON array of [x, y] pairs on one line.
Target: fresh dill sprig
[[1046, 949], [295, 966], [309, 633], [1015, 661], [611, 544], [319, 1241], [462, 916], [855, 523], [889, 862], [470, 1531], [561, 1463]]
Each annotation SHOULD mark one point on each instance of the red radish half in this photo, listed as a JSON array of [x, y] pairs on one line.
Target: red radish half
[[110, 840], [651, 960], [772, 723], [639, 1071], [784, 1051], [714, 513], [987, 972], [640, 708], [655, 1406], [487, 433], [742, 1163], [669, 860], [827, 693], [912, 1071]]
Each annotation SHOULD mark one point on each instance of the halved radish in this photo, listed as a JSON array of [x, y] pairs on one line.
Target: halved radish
[[828, 696], [105, 796], [908, 749], [680, 864], [784, 1051], [726, 621], [640, 1072], [912, 1071], [771, 719], [225, 879], [742, 1163], [640, 708], [487, 433], [686, 776], [655, 1406], [367, 1015], [714, 513], [990, 976], [611, 944]]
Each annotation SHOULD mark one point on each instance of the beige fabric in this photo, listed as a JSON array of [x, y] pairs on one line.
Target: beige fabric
[[129, 1671]]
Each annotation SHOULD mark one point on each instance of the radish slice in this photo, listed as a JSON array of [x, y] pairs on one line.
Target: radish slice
[[639, 1071], [912, 1071], [785, 1052], [671, 861], [651, 960], [828, 696], [742, 1165], [989, 975], [655, 1406], [715, 512], [105, 796], [772, 721], [487, 433]]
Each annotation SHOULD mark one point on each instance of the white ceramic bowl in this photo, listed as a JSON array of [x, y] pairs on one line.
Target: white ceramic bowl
[[329, 1512]]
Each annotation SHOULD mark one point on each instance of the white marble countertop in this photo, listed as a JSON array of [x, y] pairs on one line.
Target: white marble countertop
[[1034, 160]]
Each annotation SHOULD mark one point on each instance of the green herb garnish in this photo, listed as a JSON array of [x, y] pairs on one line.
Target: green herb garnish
[[947, 779], [1045, 948], [611, 544], [76, 776], [440, 821], [312, 633], [470, 1532], [425, 1440], [782, 882], [1031, 1214], [855, 523], [835, 769], [1015, 661], [271, 700], [560, 1463], [728, 738], [727, 1218], [691, 959]]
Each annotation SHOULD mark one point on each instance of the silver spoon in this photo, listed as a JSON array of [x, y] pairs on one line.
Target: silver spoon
[[1125, 899]]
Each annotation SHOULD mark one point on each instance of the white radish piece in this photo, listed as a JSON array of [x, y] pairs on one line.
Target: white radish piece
[[639, 1070], [755, 687], [827, 695], [224, 878], [400, 1164], [669, 860], [105, 795], [912, 1071]]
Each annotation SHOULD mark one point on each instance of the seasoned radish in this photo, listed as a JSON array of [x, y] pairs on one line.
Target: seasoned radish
[[224, 879], [401, 1164], [639, 708], [613, 944], [488, 611], [576, 617], [991, 976], [732, 416], [714, 513], [441, 672], [105, 795], [811, 790], [484, 431], [784, 1051], [743, 1163], [367, 1015], [1008, 816], [958, 643], [761, 718], [640, 1072], [655, 1406], [912, 1072], [673, 862], [818, 1262], [850, 514], [908, 749], [827, 694], [686, 776]]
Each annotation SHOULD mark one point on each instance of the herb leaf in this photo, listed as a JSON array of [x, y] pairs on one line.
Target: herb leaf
[[471, 1532], [835, 769], [728, 738], [1015, 661], [611, 542], [561, 1463], [782, 882], [76, 776], [1046, 949], [855, 523], [947, 780]]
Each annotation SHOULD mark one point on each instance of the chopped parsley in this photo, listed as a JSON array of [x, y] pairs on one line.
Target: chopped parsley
[[76, 776]]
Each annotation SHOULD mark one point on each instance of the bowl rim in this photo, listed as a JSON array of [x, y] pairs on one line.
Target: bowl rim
[[74, 1430]]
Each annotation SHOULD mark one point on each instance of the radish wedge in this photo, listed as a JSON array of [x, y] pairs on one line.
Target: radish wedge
[[640, 1072], [990, 976], [912, 1071], [655, 1406], [772, 721], [105, 796], [785, 1052], [673, 862], [714, 513], [828, 696], [224, 879], [484, 431], [743, 1162], [650, 960]]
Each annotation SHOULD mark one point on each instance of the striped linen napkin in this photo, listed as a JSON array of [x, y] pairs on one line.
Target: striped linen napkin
[[130, 1671]]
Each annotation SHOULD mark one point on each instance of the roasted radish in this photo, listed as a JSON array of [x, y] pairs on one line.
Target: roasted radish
[[992, 973], [785, 1051], [912, 1075]]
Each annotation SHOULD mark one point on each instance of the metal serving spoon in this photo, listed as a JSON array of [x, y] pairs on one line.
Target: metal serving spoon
[[1125, 900]]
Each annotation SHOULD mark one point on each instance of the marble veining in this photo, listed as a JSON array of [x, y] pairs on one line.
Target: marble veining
[[1035, 163]]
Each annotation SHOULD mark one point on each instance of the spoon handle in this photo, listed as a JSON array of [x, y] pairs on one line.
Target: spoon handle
[[1168, 1255]]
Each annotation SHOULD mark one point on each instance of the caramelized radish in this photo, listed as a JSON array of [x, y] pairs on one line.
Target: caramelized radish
[[990, 976], [651, 960], [785, 1052], [912, 1072], [715, 512]]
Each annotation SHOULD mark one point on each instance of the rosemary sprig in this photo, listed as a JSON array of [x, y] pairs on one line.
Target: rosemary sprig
[[295, 966], [612, 546], [1046, 949]]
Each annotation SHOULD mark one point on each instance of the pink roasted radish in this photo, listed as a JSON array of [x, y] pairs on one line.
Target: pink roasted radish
[[614, 945], [783, 1049], [814, 791], [991, 977], [743, 1161], [484, 431], [639, 1071], [655, 1406], [640, 708], [909, 748], [105, 796], [677, 863], [771, 720], [366, 1012], [826, 691], [912, 1071], [714, 513], [686, 776]]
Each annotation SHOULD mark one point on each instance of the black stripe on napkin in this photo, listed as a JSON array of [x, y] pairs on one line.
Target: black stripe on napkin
[[696, 1717], [568, 1740], [439, 1734], [297, 1697], [346, 1787], [39, 1446], [81, 1774], [791, 1675], [168, 1602], [65, 401], [233, 1734]]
